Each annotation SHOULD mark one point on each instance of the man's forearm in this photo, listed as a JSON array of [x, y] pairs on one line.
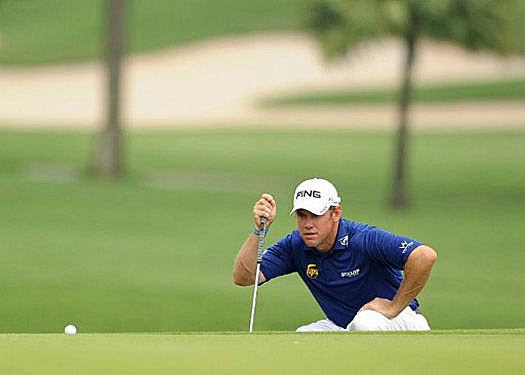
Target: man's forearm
[[416, 273], [246, 263]]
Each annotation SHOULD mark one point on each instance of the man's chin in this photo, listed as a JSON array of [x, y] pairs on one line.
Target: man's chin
[[310, 242]]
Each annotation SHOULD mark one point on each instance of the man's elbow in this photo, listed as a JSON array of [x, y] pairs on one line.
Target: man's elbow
[[428, 255], [240, 279]]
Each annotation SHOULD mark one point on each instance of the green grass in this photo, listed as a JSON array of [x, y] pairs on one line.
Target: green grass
[[477, 91], [153, 251], [47, 31], [437, 353], [517, 17]]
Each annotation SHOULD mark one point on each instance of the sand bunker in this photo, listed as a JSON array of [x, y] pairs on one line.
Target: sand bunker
[[217, 83]]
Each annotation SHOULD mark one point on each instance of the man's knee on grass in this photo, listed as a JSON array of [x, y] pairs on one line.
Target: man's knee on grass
[[368, 320]]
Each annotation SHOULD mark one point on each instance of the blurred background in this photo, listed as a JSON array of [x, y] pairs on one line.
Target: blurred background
[[135, 137]]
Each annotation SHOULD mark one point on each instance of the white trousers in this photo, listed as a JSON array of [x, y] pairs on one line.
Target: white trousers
[[370, 320]]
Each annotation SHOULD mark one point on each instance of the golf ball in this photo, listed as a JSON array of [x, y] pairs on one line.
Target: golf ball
[[70, 329]]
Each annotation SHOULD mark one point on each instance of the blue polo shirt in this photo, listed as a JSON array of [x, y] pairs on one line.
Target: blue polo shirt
[[364, 263]]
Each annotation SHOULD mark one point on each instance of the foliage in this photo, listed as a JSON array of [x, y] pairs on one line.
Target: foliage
[[475, 24]]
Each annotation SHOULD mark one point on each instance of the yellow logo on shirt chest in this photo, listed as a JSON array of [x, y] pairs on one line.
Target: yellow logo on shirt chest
[[312, 271]]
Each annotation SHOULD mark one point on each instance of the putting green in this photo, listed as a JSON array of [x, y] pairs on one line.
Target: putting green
[[439, 352]]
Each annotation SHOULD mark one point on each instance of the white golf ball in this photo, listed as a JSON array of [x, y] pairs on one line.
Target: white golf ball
[[70, 329]]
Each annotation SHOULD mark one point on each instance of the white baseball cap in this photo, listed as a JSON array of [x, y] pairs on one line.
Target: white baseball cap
[[315, 195]]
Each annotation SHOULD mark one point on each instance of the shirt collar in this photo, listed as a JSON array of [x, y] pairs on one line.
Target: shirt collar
[[343, 236]]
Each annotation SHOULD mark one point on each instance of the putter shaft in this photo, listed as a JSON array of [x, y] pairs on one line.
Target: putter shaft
[[254, 302], [260, 248]]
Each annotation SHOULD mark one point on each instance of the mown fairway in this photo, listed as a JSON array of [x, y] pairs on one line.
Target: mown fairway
[[477, 91], [46, 31], [153, 252], [436, 353]]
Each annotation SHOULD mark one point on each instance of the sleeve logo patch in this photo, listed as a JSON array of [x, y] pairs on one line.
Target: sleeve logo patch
[[405, 245], [312, 271]]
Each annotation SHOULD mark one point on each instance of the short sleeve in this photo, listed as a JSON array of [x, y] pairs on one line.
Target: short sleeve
[[278, 259], [388, 248]]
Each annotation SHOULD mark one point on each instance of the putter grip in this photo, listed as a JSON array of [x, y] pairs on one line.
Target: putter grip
[[260, 243]]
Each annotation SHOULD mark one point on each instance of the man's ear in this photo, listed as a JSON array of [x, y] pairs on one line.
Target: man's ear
[[337, 213]]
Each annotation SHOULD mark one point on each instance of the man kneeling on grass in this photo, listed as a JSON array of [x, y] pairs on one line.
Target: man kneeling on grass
[[353, 270]]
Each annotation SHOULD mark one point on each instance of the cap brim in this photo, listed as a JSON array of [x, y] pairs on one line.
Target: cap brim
[[315, 210]]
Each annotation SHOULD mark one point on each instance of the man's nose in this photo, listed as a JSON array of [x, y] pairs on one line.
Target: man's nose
[[308, 223]]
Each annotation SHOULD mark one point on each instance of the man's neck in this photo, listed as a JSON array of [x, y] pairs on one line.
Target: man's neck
[[327, 245]]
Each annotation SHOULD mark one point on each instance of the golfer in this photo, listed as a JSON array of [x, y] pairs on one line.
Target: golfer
[[353, 270]]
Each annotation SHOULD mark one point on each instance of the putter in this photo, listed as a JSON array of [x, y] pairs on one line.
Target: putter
[[260, 249]]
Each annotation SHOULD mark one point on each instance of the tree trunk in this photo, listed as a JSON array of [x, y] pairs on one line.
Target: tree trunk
[[108, 158], [399, 198]]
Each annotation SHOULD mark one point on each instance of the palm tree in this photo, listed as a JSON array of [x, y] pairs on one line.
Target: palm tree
[[474, 24], [108, 159]]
